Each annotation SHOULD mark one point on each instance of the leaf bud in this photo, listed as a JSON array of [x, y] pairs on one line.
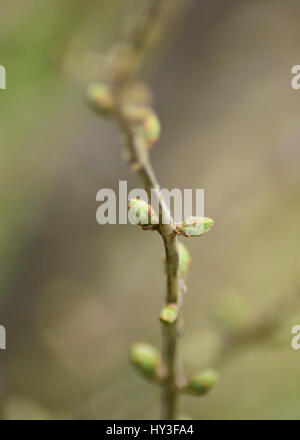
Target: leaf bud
[[195, 226], [145, 122], [184, 259], [100, 98], [147, 359], [202, 382], [140, 213], [169, 314]]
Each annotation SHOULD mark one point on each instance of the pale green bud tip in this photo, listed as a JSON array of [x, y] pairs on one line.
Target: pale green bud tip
[[169, 314], [202, 382], [195, 226], [137, 203], [152, 128], [146, 358], [140, 213], [100, 97], [184, 258], [208, 224]]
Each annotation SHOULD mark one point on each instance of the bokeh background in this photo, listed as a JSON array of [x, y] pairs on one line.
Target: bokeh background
[[74, 294]]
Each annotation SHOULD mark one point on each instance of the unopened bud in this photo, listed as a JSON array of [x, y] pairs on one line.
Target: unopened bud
[[151, 128], [195, 226], [100, 98], [202, 382], [184, 259], [169, 314], [145, 122], [147, 359], [140, 213]]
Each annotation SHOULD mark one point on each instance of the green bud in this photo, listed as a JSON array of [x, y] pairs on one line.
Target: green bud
[[184, 259], [169, 314], [195, 226], [142, 214], [152, 128], [146, 358], [145, 122], [202, 382], [100, 98]]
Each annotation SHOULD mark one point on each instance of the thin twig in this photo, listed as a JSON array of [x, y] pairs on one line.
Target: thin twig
[[138, 158]]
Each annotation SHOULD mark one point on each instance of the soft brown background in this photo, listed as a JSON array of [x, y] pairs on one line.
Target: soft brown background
[[74, 294]]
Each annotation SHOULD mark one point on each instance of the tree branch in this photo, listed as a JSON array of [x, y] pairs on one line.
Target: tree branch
[[110, 99], [138, 158]]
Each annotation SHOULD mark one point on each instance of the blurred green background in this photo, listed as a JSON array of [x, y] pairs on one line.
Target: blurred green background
[[74, 294]]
